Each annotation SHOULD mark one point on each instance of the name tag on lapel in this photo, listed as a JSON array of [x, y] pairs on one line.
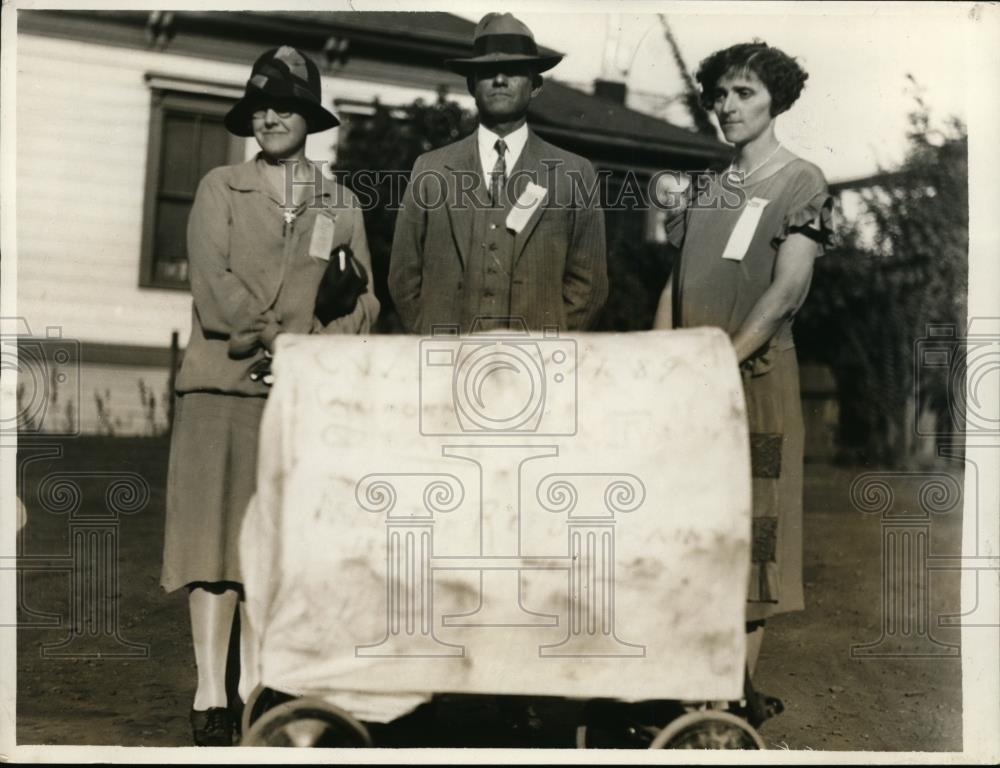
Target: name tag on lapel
[[742, 234], [525, 207], [321, 242]]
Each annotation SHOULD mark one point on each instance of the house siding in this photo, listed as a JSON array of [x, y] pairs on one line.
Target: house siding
[[83, 115], [83, 112]]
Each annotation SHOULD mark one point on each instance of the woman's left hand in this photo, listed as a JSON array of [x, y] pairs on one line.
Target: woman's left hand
[[758, 363]]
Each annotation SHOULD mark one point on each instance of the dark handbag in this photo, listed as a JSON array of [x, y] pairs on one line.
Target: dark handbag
[[340, 289]]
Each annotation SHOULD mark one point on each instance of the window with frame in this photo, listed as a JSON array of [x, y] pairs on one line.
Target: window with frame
[[187, 139]]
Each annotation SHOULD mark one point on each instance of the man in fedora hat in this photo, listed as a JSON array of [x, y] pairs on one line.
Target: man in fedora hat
[[500, 229]]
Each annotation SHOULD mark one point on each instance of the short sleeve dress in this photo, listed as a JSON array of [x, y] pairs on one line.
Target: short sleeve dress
[[710, 290]]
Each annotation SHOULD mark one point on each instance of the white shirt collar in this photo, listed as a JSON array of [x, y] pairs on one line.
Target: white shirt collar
[[487, 140]]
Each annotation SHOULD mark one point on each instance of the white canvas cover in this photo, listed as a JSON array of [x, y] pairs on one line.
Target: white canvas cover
[[501, 513]]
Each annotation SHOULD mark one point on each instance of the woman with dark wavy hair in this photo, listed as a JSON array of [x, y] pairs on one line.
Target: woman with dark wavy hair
[[748, 241]]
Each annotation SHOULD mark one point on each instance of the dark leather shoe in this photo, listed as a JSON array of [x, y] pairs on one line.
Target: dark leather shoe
[[212, 727], [756, 706]]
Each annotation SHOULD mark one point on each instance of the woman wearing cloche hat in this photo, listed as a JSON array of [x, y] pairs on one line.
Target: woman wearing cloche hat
[[274, 247]]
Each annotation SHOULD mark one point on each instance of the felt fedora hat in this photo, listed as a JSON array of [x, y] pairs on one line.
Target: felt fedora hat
[[288, 80], [499, 38]]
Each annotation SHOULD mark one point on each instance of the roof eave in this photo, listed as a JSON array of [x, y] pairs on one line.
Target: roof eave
[[645, 145]]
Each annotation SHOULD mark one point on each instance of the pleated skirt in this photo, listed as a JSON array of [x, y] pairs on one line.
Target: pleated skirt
[[211, 477]]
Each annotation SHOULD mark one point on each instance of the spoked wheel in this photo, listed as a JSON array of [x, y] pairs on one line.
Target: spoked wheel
[[306, 722], [610, 724], [249, 715], [708, 729], [260, 700], [631, 736]]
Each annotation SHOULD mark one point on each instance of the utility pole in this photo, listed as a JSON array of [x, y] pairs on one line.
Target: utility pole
[[692, 98]]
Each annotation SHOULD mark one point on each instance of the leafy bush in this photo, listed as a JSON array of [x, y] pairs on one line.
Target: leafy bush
[[391, 139], [900, 267]]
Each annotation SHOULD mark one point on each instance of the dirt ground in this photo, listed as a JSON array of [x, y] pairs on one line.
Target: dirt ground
[[139, 691]]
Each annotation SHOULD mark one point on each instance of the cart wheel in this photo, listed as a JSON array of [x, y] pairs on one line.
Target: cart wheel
[[260, 700], [249, 715], [632, 736], [306, 722], [708, 729]]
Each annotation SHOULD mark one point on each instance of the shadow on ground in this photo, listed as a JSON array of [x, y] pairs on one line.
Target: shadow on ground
[[139, 690]]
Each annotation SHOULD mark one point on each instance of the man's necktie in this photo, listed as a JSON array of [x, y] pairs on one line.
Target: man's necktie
[[499, 172]]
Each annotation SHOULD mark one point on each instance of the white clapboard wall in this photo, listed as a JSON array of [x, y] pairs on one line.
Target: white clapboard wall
[[83, 112]]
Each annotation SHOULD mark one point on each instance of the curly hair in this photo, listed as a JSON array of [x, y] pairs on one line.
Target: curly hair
[[779, 72]]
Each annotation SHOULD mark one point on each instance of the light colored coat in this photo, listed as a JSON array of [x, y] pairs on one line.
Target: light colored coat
[[250, 274]]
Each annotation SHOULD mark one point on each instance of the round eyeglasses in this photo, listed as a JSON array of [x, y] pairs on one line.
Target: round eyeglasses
[[260, 114]]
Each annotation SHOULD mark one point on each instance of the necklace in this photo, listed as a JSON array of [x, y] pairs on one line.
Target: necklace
[[732, 165]]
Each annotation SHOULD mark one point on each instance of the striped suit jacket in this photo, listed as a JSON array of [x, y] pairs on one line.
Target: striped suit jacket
[[559, 275]]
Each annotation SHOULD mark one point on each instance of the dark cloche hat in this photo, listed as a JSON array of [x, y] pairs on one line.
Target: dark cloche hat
[[287, 77], [499, 37]]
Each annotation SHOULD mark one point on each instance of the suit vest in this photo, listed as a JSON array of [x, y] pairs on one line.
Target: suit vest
[[490, 268]]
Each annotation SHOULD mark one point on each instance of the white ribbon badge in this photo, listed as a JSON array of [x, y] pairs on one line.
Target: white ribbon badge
[[525, 207], [321, 242], [746, 225]]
